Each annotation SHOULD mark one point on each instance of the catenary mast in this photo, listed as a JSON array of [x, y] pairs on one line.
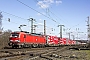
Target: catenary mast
[[88, 29]]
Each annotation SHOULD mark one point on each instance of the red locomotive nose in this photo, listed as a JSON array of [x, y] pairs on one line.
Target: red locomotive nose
[[14, 37]]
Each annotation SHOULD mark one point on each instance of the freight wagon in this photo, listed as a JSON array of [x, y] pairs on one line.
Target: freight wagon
[[52, 40], [66, 41]]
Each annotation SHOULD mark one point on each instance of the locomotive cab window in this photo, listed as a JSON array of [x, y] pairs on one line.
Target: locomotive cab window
[[15, 34]]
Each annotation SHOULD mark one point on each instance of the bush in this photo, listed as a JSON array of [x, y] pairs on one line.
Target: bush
[[4, 39]]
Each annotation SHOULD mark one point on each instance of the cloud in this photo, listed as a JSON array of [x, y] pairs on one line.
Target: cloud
[[45, 3], [42, 5], [58, 2], [49, 1]]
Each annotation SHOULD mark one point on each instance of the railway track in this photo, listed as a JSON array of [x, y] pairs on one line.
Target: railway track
[[48, 53], [34, 53]]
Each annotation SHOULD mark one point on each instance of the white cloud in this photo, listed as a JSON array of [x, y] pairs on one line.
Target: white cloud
[[42, 4], [58, 2], [47, 3]]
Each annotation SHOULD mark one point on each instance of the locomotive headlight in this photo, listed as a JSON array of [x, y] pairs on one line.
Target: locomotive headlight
[[11, 40], [17, 40]]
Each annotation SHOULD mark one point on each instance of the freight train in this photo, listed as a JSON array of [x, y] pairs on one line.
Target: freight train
[[25, 39]]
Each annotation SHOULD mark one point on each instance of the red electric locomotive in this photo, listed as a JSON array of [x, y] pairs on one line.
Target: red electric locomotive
[[24, 39]]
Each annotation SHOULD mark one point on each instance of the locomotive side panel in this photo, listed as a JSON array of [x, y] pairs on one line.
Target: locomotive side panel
[[22, 38], [29, 39], [35, 39], [41, 40]]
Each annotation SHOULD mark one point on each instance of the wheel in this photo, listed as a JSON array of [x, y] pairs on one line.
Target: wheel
[[19, 46], [30, 46], [12, 46]]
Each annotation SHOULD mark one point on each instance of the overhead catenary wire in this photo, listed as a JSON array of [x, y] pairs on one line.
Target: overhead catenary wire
[[9, 21], [49, 11], [17, 17], [13, 15], [24, 18], [37, 11], [52, 13], [58, 17], [46, 11]]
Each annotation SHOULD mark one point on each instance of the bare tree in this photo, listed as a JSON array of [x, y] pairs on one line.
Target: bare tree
[[1, 16], [4, 38]]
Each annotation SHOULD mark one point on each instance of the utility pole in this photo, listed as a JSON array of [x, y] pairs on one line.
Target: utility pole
[[88, 33], [46, 38], [88, 29], [45, 27], [60, 30], [69, 36], [73, 37], [31, 19]]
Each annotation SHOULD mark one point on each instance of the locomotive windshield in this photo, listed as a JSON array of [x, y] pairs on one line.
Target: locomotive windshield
[[15, 35]]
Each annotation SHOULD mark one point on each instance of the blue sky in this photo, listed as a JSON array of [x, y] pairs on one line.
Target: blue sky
[[71, 13]]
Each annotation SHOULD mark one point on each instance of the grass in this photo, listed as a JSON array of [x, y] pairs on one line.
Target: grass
[[87, 54]]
